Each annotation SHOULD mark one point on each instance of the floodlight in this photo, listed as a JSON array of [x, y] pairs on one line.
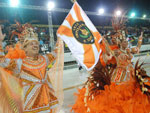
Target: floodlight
[[51, 5], [144, 16], [132, 15], [118, 13], [101, 11], [14, 3]]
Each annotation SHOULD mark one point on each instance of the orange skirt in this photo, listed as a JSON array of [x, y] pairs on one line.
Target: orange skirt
[[123, 98]]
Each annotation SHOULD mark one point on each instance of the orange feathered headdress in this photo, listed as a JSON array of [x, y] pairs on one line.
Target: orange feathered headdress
[[119, 26], [29, 35]]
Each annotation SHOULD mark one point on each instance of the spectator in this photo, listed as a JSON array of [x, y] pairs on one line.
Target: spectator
[[41, 41]]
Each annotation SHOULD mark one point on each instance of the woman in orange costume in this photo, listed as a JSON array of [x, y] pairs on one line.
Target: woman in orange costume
[[101, 95], [124, 66], [126, 90]]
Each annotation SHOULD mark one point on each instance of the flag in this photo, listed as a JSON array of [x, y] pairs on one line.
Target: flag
[[81, 36]]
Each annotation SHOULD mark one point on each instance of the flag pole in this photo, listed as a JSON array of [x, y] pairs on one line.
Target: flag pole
[[73, 1]]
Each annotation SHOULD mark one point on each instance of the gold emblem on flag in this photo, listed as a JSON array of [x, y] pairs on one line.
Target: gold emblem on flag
[[82, 33]]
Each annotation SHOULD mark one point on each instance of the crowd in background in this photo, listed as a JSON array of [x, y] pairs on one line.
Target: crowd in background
[[44, 37]]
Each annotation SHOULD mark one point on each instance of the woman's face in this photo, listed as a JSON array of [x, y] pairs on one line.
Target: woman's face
[[114, 40], [124, 44]]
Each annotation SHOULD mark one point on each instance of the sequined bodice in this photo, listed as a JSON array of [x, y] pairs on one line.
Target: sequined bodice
[[36, 68], [38, 91]]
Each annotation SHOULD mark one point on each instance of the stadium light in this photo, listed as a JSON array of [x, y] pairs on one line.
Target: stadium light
[[14, 3], [118, 13], [51, 5], [144, 16], [101, 11], [132, 15]]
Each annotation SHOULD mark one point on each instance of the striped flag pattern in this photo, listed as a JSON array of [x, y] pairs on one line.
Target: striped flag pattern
[[81, 36]]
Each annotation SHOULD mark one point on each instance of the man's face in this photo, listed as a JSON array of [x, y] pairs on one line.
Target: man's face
[[32, 48]]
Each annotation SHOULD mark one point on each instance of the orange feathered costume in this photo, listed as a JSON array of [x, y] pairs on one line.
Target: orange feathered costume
[[16, 53], [122, 98], [104, 96]]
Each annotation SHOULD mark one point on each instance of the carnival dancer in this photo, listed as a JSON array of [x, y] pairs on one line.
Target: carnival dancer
[[122, 55], [124, 64], [32, 71], [126, 90], [122, 72]]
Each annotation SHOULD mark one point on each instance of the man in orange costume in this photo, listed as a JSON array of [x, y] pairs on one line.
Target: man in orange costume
[[38, 93]]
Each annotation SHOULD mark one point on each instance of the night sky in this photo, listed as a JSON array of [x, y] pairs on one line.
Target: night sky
[[140, 7]]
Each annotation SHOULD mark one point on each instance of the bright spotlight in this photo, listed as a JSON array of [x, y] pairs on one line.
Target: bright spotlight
[[51, 5], [132, 15], [14, 3], [118, 13], [101, 11], [144, 16]]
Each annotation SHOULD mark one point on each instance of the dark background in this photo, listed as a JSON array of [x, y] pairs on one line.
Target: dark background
[[140, 7]]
